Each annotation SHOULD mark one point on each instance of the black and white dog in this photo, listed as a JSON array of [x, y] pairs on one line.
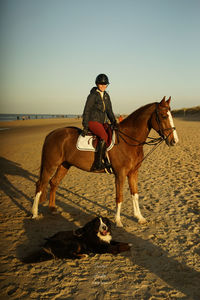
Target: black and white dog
[[94, 237]]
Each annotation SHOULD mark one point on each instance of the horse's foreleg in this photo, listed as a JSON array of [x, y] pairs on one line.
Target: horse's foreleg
[[136, 208], [54, 182], [119, 183], [132, 180]]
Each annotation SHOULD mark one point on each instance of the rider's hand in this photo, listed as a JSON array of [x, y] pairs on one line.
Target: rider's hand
[[84, 132], [114, 126]]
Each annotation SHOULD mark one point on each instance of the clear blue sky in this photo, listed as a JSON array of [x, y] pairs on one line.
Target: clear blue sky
[[52, 51]]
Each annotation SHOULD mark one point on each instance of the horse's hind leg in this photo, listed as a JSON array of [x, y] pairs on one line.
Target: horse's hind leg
[[41, 187], [132, 180], [119, 183], [35, 205], [54, 182]]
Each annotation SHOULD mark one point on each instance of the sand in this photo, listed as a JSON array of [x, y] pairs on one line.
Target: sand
[[164, 261]]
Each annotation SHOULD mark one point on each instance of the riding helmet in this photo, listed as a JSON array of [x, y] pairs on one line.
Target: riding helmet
[[102, 79]]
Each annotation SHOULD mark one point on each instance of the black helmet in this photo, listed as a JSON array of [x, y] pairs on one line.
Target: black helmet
[[102, 79]]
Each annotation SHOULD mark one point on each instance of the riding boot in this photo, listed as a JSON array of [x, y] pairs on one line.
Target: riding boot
[[99, 156], [107, 163]]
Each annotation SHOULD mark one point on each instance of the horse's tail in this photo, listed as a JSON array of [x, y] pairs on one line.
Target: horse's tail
[[38, 183], [42, 163], [44, 153], [41, 186]]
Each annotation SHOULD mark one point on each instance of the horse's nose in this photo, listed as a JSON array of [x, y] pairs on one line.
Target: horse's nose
[[173, 142]]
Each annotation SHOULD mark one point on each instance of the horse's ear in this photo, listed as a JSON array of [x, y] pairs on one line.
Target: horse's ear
[[163, 100], [168, 101]]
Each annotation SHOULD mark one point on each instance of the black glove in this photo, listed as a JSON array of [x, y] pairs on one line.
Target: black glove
[[84, 132]]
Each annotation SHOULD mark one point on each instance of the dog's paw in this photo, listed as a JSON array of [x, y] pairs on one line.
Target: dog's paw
[[85, 256]]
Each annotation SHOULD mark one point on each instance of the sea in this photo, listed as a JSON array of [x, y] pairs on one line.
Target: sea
[[14, 117]]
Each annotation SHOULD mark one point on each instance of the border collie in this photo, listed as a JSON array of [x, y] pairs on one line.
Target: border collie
[[95, 237]]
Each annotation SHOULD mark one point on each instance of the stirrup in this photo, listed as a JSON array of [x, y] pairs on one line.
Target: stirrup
[[107, 165], [104, 166], [108, 168], [98, 168]]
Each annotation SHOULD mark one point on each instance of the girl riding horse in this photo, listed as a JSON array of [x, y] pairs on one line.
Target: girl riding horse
[[97, 108]]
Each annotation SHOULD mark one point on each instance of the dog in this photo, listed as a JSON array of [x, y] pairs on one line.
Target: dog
[[95, 237]]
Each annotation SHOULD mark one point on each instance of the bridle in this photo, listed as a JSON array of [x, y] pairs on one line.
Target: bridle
[[152, 141], [161, 129]]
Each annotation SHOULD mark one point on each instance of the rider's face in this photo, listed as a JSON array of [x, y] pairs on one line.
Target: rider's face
[[102, 87]]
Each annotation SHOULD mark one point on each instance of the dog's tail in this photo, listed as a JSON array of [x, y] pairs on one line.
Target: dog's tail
[[38, 256]]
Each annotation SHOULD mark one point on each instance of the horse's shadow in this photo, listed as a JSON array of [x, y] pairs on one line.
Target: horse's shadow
[[37, 230], [9, 167], [151, 257], [144, 253]]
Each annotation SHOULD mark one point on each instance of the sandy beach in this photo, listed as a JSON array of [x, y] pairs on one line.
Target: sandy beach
[[164, 261]]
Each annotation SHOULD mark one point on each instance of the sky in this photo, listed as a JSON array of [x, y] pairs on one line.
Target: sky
[[52, 50]]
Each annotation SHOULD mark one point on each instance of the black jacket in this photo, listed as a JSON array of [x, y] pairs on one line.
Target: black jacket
[[97, 109]]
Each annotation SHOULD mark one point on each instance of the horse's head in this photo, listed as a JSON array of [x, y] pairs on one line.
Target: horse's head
[[162, 122]]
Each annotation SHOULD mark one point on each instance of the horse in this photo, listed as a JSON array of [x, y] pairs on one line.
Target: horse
[[59, 153]]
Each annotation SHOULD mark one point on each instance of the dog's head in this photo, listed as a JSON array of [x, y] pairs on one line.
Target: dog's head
[[99, 226]]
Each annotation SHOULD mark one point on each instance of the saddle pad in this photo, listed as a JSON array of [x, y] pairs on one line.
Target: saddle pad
[[85, 143]]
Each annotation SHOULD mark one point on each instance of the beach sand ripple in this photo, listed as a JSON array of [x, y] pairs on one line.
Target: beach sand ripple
[[164, 261]]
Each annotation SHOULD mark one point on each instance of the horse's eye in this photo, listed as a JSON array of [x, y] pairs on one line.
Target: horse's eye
[[164, 117]]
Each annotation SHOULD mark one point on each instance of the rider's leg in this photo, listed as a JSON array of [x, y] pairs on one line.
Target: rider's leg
[[99, 130]]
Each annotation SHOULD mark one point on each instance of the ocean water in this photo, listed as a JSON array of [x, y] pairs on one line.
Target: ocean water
[[14, 117]]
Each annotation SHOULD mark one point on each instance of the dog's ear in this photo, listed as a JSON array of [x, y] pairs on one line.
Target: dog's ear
[[95, 224], [107, 222]]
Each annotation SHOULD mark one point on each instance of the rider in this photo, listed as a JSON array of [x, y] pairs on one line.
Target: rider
[[97, 108]]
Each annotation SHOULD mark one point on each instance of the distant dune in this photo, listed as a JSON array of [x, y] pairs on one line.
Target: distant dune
[[192, 113]]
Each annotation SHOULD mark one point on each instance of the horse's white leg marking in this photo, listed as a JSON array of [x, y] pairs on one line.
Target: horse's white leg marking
[[172, 125], [35, 205], [117, 216], [136, 208]]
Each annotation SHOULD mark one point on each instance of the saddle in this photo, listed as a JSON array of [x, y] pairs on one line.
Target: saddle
[[90, 141]]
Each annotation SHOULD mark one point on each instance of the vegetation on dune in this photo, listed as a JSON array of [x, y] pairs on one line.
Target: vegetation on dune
[[195, 111]]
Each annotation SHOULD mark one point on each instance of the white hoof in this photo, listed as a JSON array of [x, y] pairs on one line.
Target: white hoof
[[34, 216], [142, 221], [34, 212], [118, 223]]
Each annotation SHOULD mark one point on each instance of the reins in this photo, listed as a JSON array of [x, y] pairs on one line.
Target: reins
[[156, 142], [153, 142]]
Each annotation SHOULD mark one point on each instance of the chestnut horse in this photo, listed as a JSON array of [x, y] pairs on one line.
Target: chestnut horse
[[60, 153]]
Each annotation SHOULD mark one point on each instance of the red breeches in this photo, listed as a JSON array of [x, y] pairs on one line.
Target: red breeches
[[99, 130]]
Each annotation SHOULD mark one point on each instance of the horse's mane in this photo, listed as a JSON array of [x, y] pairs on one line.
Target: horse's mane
[[141, 112]]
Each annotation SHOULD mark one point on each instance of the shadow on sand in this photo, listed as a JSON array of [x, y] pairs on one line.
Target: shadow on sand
[[152, 257], [9, 167], [144, 253]]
